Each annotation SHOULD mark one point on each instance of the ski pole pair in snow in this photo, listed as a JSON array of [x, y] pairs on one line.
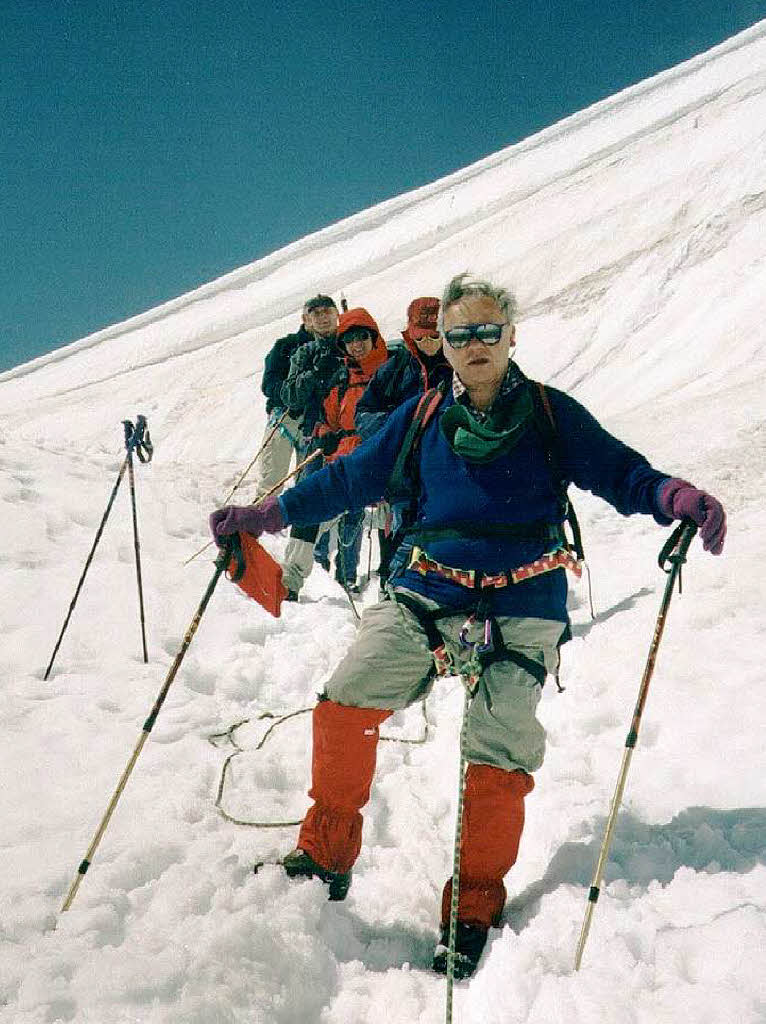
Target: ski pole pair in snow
[[137, 440]]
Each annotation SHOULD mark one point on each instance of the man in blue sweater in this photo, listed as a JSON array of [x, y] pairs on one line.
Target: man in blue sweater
[[489, 553]]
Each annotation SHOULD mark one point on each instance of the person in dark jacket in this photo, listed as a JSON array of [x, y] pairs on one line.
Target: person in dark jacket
[[312, 373], [490, 554], [362, 350], [412, 370], [319, 320], [419, 365]]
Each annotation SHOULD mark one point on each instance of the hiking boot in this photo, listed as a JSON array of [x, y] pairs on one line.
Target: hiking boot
[[470, 940], [324, 562], [292, 595], [298, 864], [352, 587]]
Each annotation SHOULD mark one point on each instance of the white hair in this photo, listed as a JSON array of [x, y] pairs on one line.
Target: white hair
[[465, 284]]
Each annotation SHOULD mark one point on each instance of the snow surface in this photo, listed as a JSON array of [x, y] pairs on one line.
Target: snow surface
[[635, 236]]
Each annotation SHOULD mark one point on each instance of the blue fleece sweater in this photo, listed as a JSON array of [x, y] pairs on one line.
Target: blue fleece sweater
[[514, 488]]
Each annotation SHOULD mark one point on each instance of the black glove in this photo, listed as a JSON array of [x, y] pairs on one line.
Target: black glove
[[328, 443], [326, 364]]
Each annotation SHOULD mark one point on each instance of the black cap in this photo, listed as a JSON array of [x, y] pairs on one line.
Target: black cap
[[319, 302]]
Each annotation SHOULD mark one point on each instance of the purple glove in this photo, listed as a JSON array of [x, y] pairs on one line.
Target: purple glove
[[265, 517], [678, 499]]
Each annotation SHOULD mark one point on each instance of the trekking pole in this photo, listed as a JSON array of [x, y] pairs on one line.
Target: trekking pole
[[257, 455], [674, 552], [138, 438], [268, 493], [455, 894], [369, 547], [221, 562], [220, 565], [342, 559], [242, 476], [129, 444]]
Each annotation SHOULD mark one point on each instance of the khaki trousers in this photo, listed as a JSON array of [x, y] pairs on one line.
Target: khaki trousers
[[274, 461]]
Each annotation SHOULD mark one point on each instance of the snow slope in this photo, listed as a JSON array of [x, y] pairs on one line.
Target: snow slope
[[635, 236]]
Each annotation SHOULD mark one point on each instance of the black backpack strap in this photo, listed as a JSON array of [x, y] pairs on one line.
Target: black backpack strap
[[393, 387], [399, 484], [545, 422]]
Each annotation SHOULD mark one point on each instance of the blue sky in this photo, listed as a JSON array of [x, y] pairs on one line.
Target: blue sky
[[148, 148]]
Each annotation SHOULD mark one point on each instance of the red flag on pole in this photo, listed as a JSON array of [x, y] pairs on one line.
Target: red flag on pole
[[260, 577]]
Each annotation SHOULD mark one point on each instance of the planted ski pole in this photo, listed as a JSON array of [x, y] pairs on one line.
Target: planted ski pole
[[133, 438], [257, 455], [369, 547], [455, 894], [221, 563], [277, 486], [673, 552], [138, 439]]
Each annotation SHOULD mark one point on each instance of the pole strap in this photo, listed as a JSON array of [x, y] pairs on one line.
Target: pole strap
[[138, 439]]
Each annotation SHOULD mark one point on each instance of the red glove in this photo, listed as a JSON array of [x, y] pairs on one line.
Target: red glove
[[679, 499], [265, 517]]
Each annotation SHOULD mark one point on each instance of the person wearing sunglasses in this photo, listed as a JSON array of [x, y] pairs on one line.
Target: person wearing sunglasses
[[364, 352], [485, 592], [359, 350], [412, 369]]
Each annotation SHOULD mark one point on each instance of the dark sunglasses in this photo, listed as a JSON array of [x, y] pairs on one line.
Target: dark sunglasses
[[352, 336], [488, 334]]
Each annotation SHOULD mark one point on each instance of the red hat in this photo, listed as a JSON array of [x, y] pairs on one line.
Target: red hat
[[423, 316]]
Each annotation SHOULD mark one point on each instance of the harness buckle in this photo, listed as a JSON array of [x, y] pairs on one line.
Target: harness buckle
[[484, 646]]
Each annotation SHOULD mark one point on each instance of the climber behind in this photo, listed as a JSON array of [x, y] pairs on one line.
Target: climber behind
[[363, 351], [419, 365], [319, 320]]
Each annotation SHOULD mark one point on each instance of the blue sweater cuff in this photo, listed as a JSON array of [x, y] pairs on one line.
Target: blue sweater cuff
[[283, 510], [659, 515]]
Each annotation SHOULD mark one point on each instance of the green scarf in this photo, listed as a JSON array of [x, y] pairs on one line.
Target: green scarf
[[505, 425]]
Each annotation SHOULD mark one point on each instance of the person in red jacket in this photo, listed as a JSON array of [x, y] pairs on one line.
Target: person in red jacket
[[363, 350]]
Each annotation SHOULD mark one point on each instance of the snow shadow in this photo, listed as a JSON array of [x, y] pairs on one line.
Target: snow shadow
[[380, 947], [583, 628], [701, 838]]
